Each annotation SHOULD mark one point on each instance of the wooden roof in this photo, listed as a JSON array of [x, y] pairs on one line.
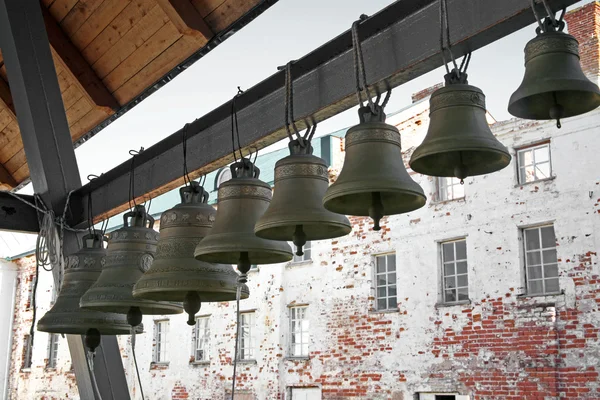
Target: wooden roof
[[107, 53]]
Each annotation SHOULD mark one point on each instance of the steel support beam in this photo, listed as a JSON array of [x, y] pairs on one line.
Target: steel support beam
[[400, 43], [50, 154], [16, 215]]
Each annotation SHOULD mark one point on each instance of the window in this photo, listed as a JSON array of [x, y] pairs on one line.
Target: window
[[52, 350], [299, 332], [534, 163], [454, 271], [254, 267], [30, 292], [450, 189], [385, 278], [223, 176], [246, 339], [161, 329], [442, 396], [541, 260], [305, 393], [26, 352], [307, 253], [202, 339]]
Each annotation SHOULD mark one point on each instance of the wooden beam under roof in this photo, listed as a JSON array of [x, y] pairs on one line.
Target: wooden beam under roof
[[187, 19], [65, 53], [6, 100]]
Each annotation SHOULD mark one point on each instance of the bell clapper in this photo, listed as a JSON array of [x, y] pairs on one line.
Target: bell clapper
[[376, 210], [299, 239], [244, 264], [556, 111], [191, 305], [92, 339], [134, 316]]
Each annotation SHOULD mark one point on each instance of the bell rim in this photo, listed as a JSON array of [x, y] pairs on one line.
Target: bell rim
[[80, 329], [123, 307], [417, 165], [179, 293], [266, 230], [515, 105], [332, 201]]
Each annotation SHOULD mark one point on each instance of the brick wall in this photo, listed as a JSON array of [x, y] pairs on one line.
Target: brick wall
[[584, 24]]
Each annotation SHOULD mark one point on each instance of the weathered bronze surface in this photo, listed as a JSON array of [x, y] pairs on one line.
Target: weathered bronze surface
[[459, 141], [130, 253]]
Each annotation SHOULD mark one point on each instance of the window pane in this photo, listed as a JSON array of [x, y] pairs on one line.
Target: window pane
[[549, 256], [392, 290], [391, 263], [548, 238], [463, 294], [380, 264], [462, 280], [448, 250], [461, 250], [381, 292], [535, 287], [458, 190], [530, 174], [525, 157], [450, 283], [381, 281], [448, 269], [381, 304], [534, 258], [461, 267], [391, 279], [532, 239], [552, 285], [392, 303], [450, 296], [522, 175], [550, 271], [542, 171], [534, 272], [542, 154]]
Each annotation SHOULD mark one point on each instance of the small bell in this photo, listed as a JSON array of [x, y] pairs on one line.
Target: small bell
[[175, 275], [129, 254], [296, 212], [82, 269], [554, 86], [242, 201], [373, 181], [459, 141]]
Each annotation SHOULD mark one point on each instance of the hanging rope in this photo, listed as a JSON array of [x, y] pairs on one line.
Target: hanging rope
[[359, 66], [554, 24], [186, 175], [242, 278], [137, 371], [458, 73], [90, 359], [235, 131], [133, 154]]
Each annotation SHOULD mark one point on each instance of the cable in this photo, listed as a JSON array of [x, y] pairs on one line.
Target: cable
[[186, 175], [137, 371], [241, 279], [90, 360], [359, 65]]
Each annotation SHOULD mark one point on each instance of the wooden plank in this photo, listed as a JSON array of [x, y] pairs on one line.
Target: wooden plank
[[99, 20], [60, 8], [85, 124], [78, 110], [187, 20], [64, 79], [16, 161], [205, 7], [22, 173], [5, 118], [132, 40], [72, 62], [14, 145], [71, 96], [6, 100], [122, 24], [47, 3], [159, 42], [228, 12], [161, 65], [78, 15], [6, 179]]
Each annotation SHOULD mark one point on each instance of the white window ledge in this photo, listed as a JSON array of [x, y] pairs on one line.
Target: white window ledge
[[297, 358], [455, 303], [534, 182]]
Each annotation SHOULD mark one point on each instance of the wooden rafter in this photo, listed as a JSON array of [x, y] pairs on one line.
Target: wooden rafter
[[187, 19], [74, 64], [6, 100]]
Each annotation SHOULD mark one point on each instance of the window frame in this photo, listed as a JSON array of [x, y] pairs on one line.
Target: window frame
[[27, 353], [52, 350], [206, 343], [159, 353], [440, 188], [307, 253], [30, 294], [455, 261], [304, 335], [250, 341], [543, 279], [376, 285], [532, 148]]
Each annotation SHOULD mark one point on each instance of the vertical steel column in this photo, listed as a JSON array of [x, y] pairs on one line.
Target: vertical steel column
[[51, 158]]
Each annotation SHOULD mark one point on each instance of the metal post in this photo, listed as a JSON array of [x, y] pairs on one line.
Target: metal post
[[50, 155]]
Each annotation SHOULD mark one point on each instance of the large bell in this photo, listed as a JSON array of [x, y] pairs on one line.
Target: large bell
[[129, 254], [175, 275], [242, 201], [82, 269], [296, 212], [459, 141], [554, 85], [373, 181]]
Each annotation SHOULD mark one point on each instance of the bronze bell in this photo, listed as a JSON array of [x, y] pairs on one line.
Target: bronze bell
[[82, 269], [242, 201], [554, 85], [296, 212], [129, 254], [373, 181], [459, 141], [175, 275]]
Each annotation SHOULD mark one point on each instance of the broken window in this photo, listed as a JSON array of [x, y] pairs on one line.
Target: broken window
[[385, 280], [202, 339], [534, 163], [450, 189], [299, 326], [52, 350], [246, 339], [455, 280], [541, 260], [161, 329]]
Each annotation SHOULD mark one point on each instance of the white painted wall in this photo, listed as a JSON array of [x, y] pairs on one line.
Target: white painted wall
[[8, 286]]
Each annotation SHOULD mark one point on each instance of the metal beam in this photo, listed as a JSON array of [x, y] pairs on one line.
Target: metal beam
[[400, 43], [16, 215], [49, 150]]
